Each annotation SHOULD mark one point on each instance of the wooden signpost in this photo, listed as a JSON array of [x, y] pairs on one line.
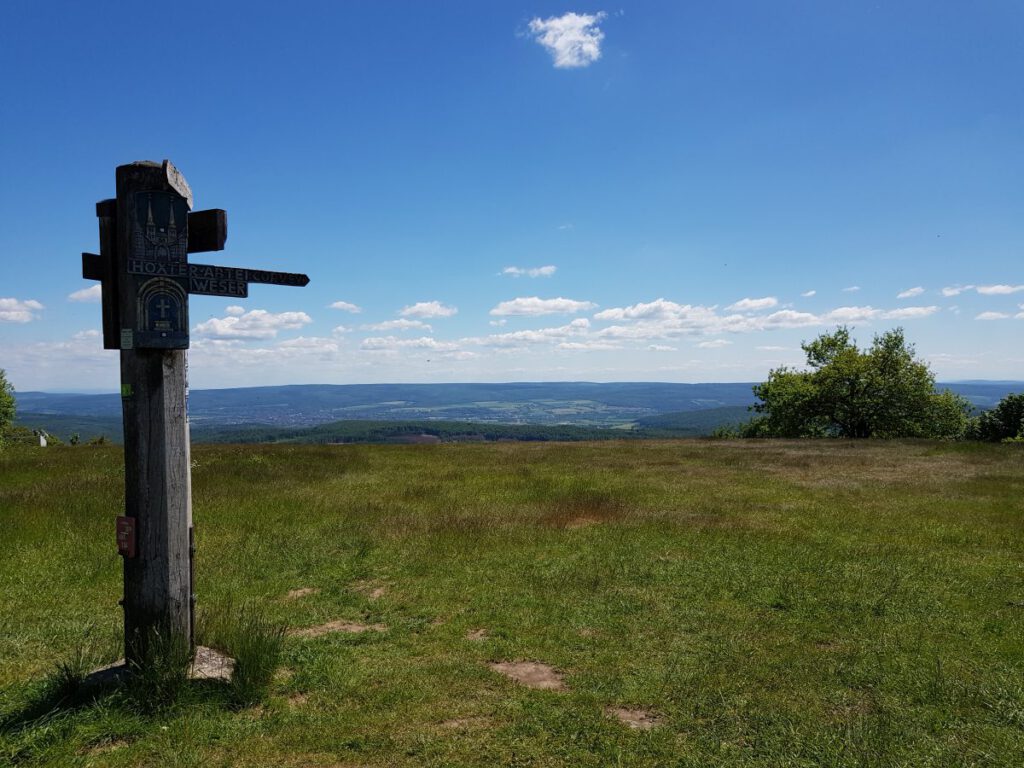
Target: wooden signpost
[[146, 234]]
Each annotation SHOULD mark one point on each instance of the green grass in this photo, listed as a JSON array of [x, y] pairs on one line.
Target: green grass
[[775, 603]]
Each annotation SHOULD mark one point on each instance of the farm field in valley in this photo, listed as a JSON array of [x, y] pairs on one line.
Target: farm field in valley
[[754, 603]]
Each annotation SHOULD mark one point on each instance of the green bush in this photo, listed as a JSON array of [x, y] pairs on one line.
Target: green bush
[[1002, 423]]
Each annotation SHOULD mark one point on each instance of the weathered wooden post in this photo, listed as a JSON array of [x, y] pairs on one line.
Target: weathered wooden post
[[146, 234]]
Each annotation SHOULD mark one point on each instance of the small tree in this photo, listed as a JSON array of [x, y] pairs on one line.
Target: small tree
[[884, 391], [1004, 422], [6, 406]]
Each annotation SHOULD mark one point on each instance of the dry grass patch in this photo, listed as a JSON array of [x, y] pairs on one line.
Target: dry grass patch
[[532, 674], [464, 723], [636, 719], [476, 634], [295, 594], [350, 627]]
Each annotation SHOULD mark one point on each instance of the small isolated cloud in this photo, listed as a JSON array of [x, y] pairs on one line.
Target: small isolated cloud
[[999, 290], [428, 309], [257, 324], [907, 313], [85, 335], [533, 306], [851, 289], [547, 271], [340, 330], [910, 292], [234, 311], [498, 323], [753, 305], [772, 348], [956, 290], [808, 294], [88, 295], [401, 324], [573, 40], [16, 311], [714, 344], [661, 348], [347, 306], [992, 316]]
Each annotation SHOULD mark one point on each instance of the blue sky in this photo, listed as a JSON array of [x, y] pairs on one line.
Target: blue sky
[[545, 191]]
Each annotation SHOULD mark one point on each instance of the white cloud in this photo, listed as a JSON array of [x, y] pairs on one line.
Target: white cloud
[[498, 323], [653, 310], [866, 314], [393, 344], [909, 312], [340, 330], [992, 316], [234, 311], [573, 40], [346, 306], [808, 294], [398, 325], [956, 290], [662, 319], [578, 327], [770, 348], [999, 290], [753, 305], [546, 271], [714, 344], [257, 324], [310, 343], [587, 346], [89, 295], [15, 311], [534, 306], [428, 309], [851, 289], [784, 318], [84, 335], [662, 348], [910, 292]]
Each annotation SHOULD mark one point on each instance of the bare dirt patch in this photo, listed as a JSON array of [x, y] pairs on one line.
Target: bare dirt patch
[[463, 723], [532, 674], [297, 699], [350, 627], [372, 590], [477, 634], [295, 594], [637, 719], [582, 522], [104, 746]]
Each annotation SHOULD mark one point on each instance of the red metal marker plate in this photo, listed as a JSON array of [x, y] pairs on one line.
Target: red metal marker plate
[[126, 536]]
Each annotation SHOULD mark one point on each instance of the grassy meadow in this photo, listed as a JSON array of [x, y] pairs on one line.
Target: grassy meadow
[[763, 603]]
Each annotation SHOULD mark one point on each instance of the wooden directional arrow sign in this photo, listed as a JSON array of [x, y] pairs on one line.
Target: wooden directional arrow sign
[[212, 280], [145, 239]]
